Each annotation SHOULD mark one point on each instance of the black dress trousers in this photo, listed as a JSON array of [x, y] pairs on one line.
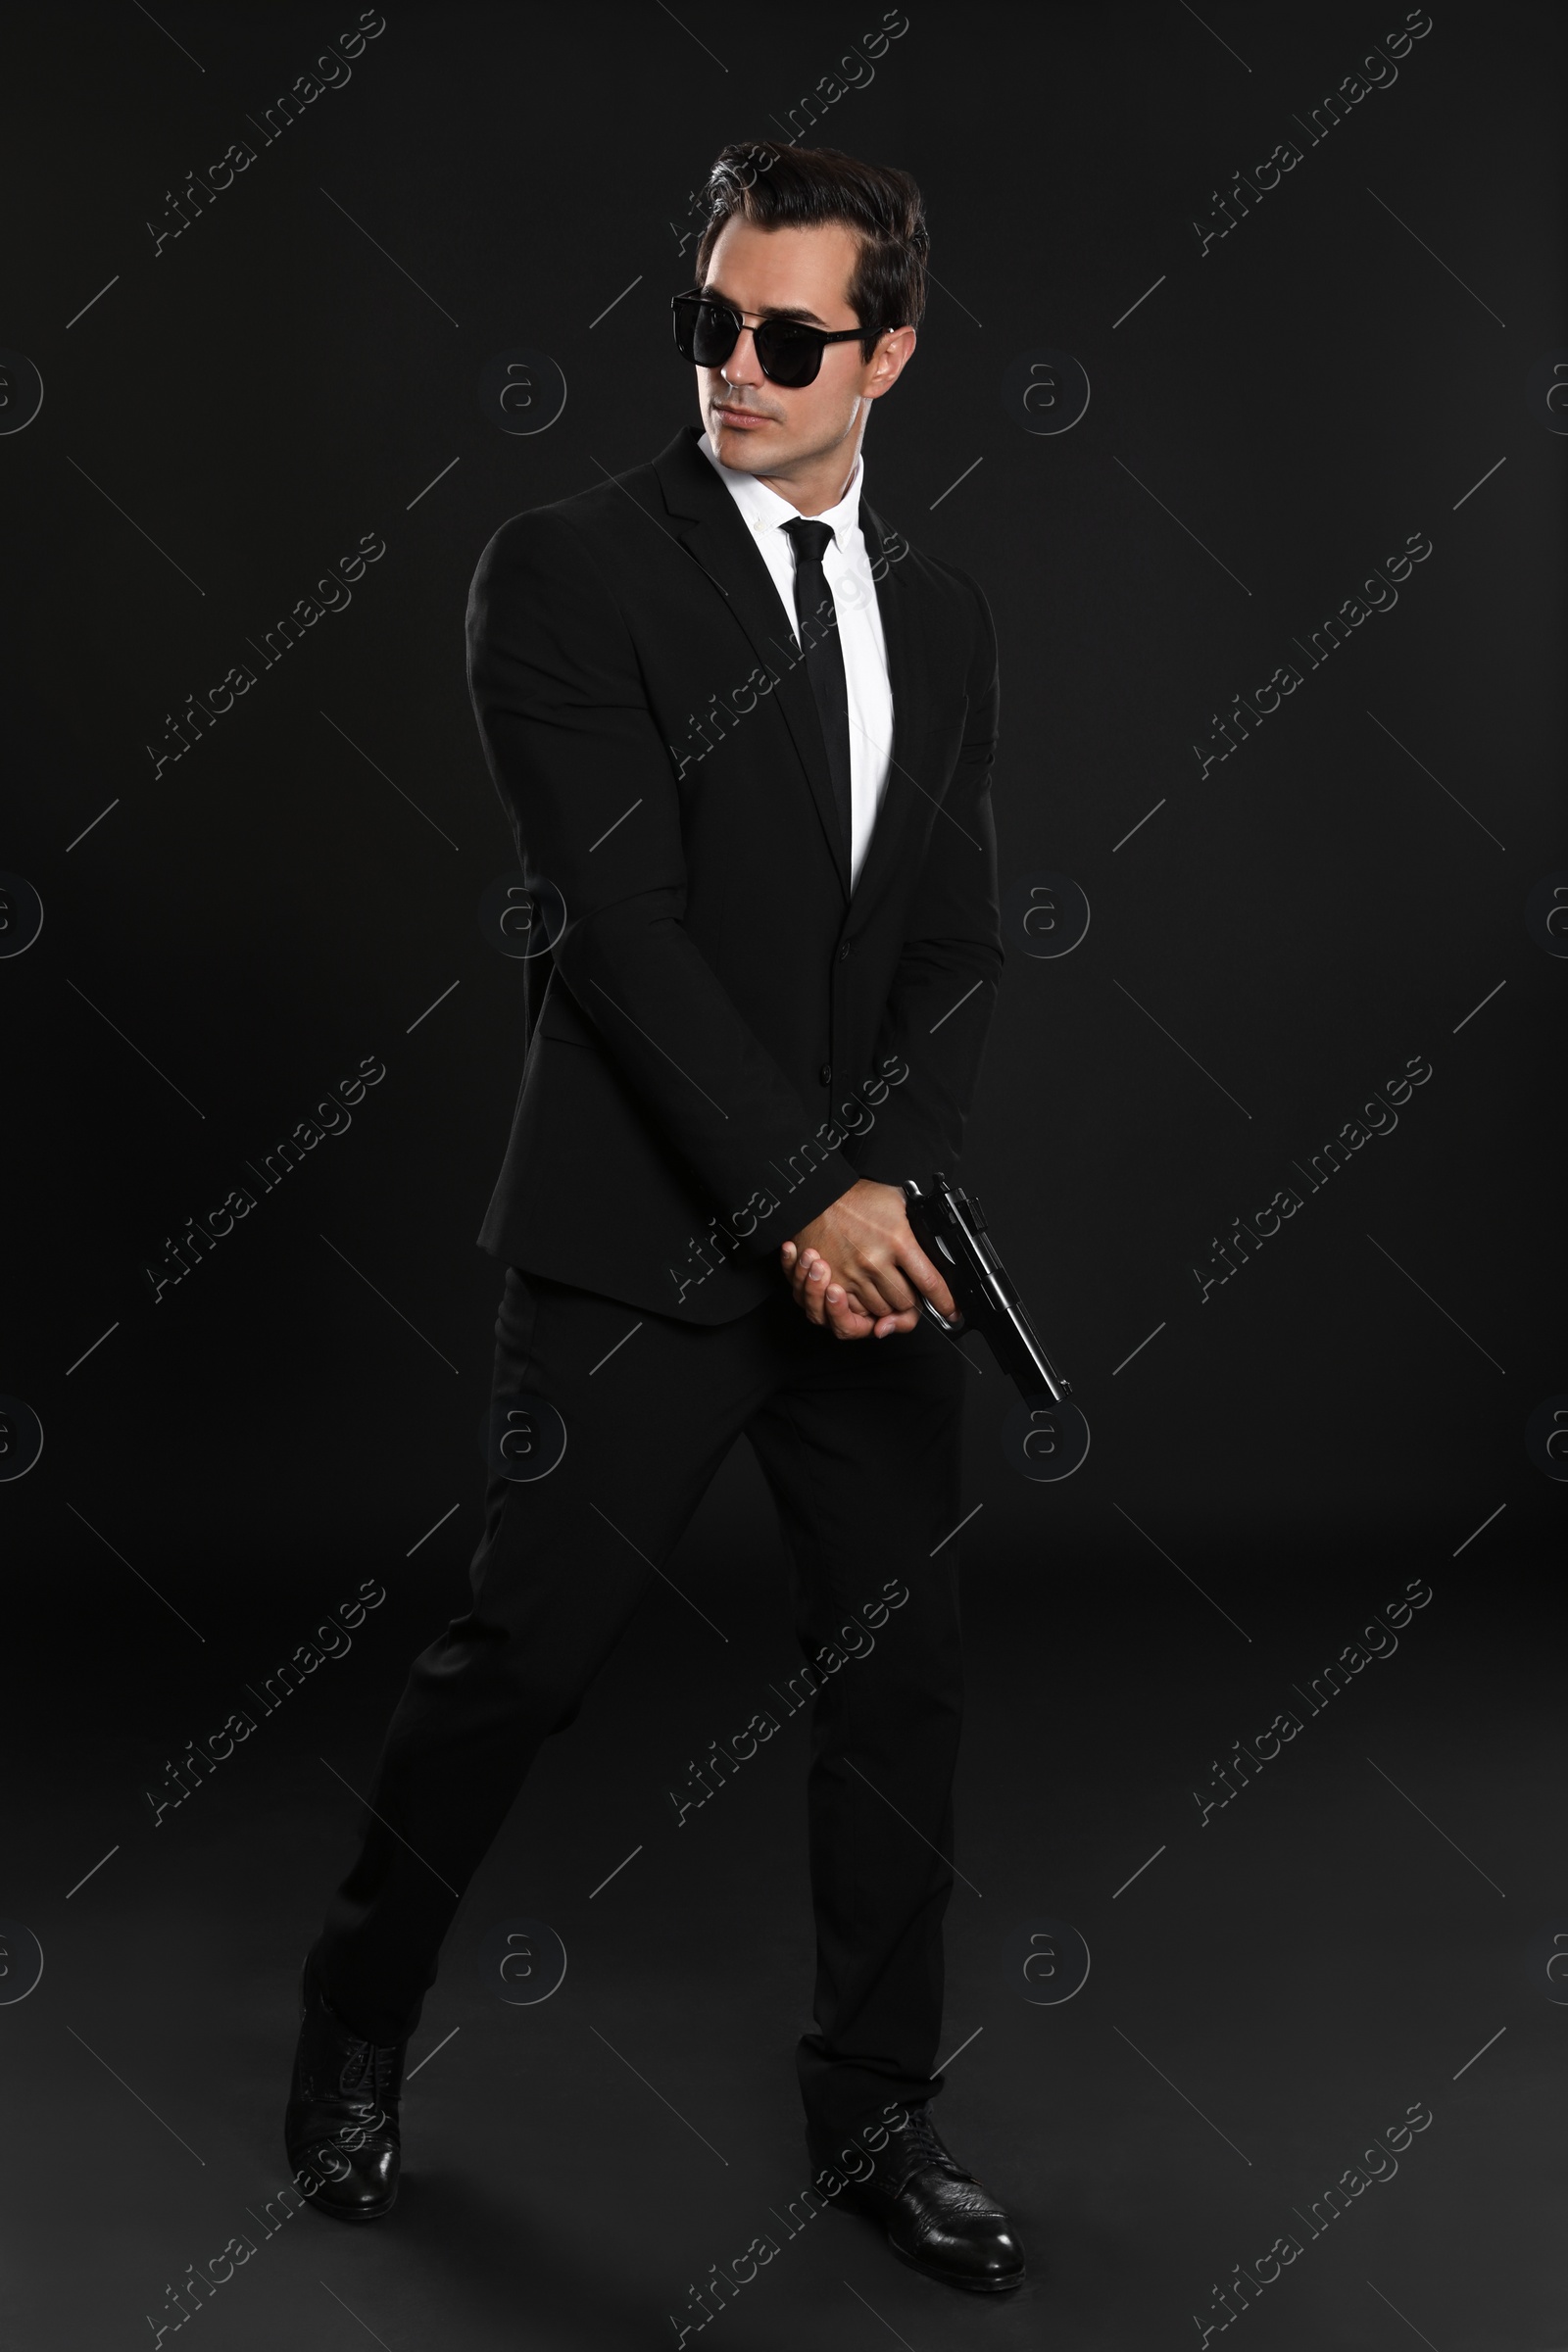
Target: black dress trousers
[[860, 1444]]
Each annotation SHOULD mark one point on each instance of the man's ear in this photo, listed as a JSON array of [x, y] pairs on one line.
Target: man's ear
[[892, 356]]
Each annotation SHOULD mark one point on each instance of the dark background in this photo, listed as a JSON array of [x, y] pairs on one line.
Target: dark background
[[221, 425]]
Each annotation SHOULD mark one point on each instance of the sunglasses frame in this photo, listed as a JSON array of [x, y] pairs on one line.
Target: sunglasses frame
[[820, 336]]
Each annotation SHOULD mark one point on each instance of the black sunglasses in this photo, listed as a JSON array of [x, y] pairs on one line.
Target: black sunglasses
[[787, 351]]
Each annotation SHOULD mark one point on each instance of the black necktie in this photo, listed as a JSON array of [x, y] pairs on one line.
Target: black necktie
[[816, 626]]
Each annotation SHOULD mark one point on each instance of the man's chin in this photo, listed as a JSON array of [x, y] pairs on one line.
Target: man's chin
[[741, 445]]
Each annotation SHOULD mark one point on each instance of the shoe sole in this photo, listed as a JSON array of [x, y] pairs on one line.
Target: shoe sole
[[970, 2286], [360, 2213]]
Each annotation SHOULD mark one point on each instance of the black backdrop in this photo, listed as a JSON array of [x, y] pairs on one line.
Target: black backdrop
[[1361, 360]]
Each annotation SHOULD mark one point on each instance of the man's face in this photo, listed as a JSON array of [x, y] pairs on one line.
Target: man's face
[[761, 427]]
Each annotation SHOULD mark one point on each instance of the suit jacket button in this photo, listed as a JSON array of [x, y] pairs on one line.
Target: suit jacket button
[[843, 952], [825, 1074]]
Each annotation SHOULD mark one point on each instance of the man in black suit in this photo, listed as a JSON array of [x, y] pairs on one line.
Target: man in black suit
[[744, 732]]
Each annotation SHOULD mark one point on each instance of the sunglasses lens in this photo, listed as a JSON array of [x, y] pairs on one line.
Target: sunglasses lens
[[715, 333], [789, 354]]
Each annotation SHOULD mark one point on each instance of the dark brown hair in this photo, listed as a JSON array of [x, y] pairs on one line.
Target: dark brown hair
[[775, 186]]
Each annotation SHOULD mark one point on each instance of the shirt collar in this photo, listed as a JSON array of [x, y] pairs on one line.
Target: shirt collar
[[763, 509]]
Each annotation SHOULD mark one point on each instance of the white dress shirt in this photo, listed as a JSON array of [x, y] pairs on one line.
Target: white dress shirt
[[846, 568]]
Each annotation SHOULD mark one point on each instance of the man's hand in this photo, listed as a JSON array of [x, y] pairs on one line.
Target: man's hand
[[857, 1267]]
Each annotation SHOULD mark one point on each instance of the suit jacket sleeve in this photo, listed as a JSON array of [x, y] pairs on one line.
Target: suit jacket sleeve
[[940, 1004], [574, 751]]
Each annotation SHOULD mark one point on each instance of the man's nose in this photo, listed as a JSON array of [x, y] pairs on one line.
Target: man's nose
[[742, 367]]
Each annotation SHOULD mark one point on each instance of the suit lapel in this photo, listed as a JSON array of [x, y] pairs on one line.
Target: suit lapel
[[708, 524]]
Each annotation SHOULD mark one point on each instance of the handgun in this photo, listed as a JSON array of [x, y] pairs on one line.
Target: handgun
[[950, 1226]]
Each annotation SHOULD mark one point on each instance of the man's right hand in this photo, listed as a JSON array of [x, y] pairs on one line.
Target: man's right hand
[[859, 1269]]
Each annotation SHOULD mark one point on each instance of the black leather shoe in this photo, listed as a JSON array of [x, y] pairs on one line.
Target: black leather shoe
[[937, 2218], [341, 2128]]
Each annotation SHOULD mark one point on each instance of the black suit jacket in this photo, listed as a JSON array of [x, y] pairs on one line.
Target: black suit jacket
[[728, 1037]]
